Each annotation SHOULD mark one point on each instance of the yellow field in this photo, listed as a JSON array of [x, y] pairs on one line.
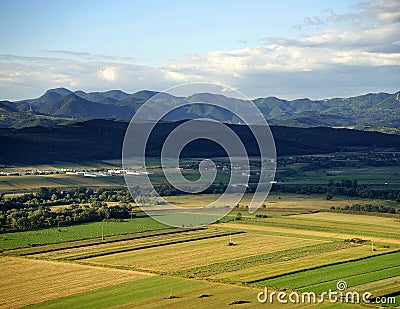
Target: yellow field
[[283, 267], [72, 253], [26, 281], [201, 252], [333, 235], [29, 182], [281, 201], [386, 222]]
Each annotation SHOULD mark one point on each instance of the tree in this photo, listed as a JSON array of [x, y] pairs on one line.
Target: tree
[[328, 196]]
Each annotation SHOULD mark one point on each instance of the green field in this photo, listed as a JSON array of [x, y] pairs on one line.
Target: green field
[[222, 265], [139, 243], [30, 182], [324, 223], [380, 175], [76, 232], [354, 273], [168, 292], [279, 203], [297, 262], [123, 293]]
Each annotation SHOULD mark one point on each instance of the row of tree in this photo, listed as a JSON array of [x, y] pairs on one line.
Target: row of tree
[[368, 208], [53, 197], [343, 188], [32, 218]]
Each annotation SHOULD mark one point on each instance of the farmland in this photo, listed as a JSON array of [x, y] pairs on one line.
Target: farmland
[[76, 232], [30, 182], [327, 225], [24, 281], [296, 242], [302, 252], [202, 252], [322, 279]]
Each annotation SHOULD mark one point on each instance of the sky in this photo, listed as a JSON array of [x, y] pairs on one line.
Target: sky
[[289, 49]]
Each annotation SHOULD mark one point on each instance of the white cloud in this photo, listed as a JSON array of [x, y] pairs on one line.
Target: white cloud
[[350, 54], [369, 40], [109, 73]]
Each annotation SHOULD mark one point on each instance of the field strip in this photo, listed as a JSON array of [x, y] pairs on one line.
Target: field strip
[[278, 233], [94, 241], [182, 256], [380, 287], [356, 272], [328, 226], [27, 281], [326, 222], [349, 218], [135, 244], [221, 269], [361, 260], [155, 292], [249, 227], [311, 259]]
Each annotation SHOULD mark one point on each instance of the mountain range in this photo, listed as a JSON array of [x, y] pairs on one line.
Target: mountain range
[[372, 111]]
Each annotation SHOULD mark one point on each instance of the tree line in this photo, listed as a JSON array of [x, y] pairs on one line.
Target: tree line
[[368, 208], [32, 210], [349, 188]]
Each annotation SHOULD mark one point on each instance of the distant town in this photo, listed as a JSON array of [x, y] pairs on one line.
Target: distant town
[[84, 173]]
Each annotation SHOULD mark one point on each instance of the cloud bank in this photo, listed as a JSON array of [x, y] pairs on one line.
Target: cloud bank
[[340, 55]]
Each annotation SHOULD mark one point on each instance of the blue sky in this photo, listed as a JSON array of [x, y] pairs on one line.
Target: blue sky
[[286, 48]]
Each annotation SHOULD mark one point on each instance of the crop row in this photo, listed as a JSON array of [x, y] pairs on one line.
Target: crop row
[[149, 242], [261, 259], [94, 241], [353, 272], [359, 229]]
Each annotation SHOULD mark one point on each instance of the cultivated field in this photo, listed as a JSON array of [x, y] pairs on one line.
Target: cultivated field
[[31, 182], [356, 272], [222, 265], [76, 232], [168, 292], [291, 203], [201, 252], [312, 259], [341, 226], [26, 281]]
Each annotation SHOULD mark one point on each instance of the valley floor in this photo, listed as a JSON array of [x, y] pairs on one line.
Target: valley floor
[[222, 265]]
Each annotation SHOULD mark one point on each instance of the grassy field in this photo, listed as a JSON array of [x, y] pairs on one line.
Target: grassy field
[[169, 292], [291, 249], [329, 225], [25, 281], [88, 242], [109, 164], [201, 252], [31, 182], [389, 174], [281, 202], [106, 249], [325, 278], [76, 232], [312, 259]]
